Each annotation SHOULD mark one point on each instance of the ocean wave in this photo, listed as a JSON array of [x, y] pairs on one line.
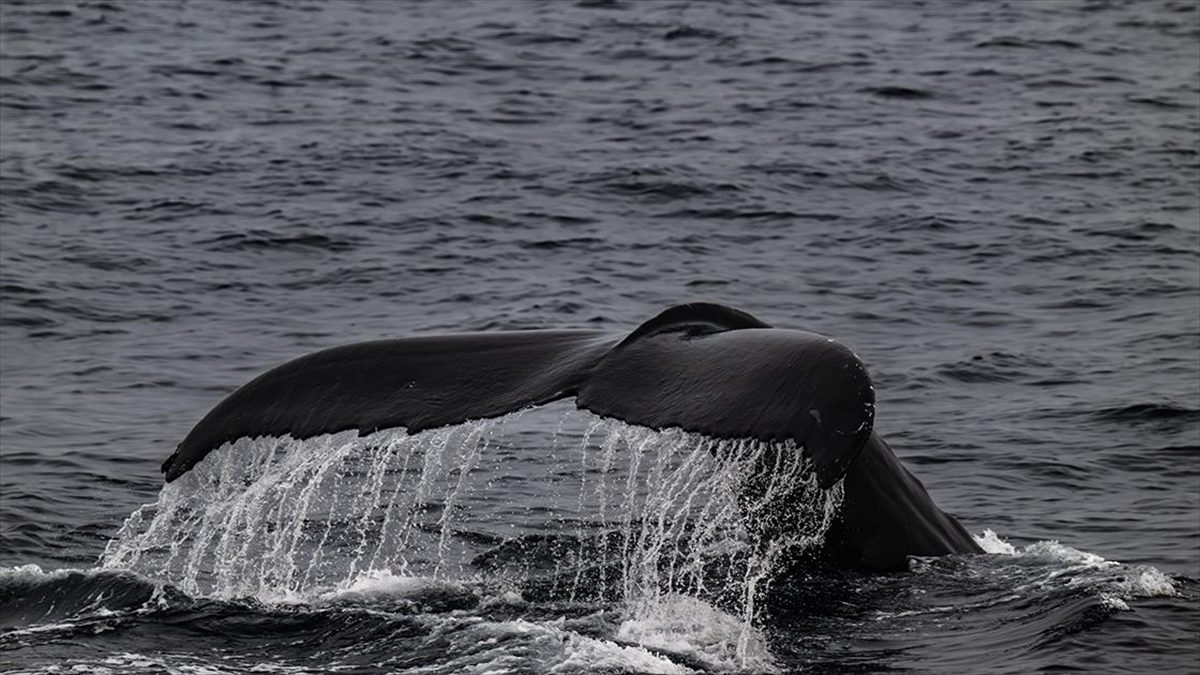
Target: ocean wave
[[38, 600], [679, 635], [1113, 583]]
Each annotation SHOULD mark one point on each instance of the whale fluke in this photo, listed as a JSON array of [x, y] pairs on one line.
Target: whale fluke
[[723, 373], [701, 367]]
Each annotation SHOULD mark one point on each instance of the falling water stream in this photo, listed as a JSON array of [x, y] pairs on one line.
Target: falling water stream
[[645, 518]]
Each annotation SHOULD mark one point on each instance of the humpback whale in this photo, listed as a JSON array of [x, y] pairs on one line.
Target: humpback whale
[[701, 367]]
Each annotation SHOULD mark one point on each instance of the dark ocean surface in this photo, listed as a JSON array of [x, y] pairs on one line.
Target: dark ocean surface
[[996, 205]]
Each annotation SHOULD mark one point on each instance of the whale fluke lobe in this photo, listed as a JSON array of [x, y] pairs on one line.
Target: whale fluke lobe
[[720, 372], [417, 383], [701, 367]]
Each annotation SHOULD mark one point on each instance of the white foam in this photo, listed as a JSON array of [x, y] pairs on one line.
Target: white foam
[[504, 599], [1114, 602], [1147, 582], [120, 664], [583, 654], [683, 625], [1054, 551], [33, 572], [1115, 582], [480, 646], [383, 583], [1050, 550], [990, 542]]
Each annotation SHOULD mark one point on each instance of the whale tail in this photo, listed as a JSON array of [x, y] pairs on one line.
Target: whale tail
[[702, 367]]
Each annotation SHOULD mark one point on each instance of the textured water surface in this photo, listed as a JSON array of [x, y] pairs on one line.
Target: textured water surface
[[997, 206]]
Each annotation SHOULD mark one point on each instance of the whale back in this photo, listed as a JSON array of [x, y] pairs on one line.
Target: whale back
[[701, 367]]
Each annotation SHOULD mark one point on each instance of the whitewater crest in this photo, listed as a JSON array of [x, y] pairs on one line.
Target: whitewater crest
[[1047, 566], [610, 512]]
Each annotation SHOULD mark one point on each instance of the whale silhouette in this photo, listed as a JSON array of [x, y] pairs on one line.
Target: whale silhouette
[[701, 367]]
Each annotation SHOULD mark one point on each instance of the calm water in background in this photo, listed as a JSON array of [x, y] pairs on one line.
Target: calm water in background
[[996, 205]]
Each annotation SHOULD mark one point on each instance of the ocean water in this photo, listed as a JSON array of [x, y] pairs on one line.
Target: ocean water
[[996, 205]]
